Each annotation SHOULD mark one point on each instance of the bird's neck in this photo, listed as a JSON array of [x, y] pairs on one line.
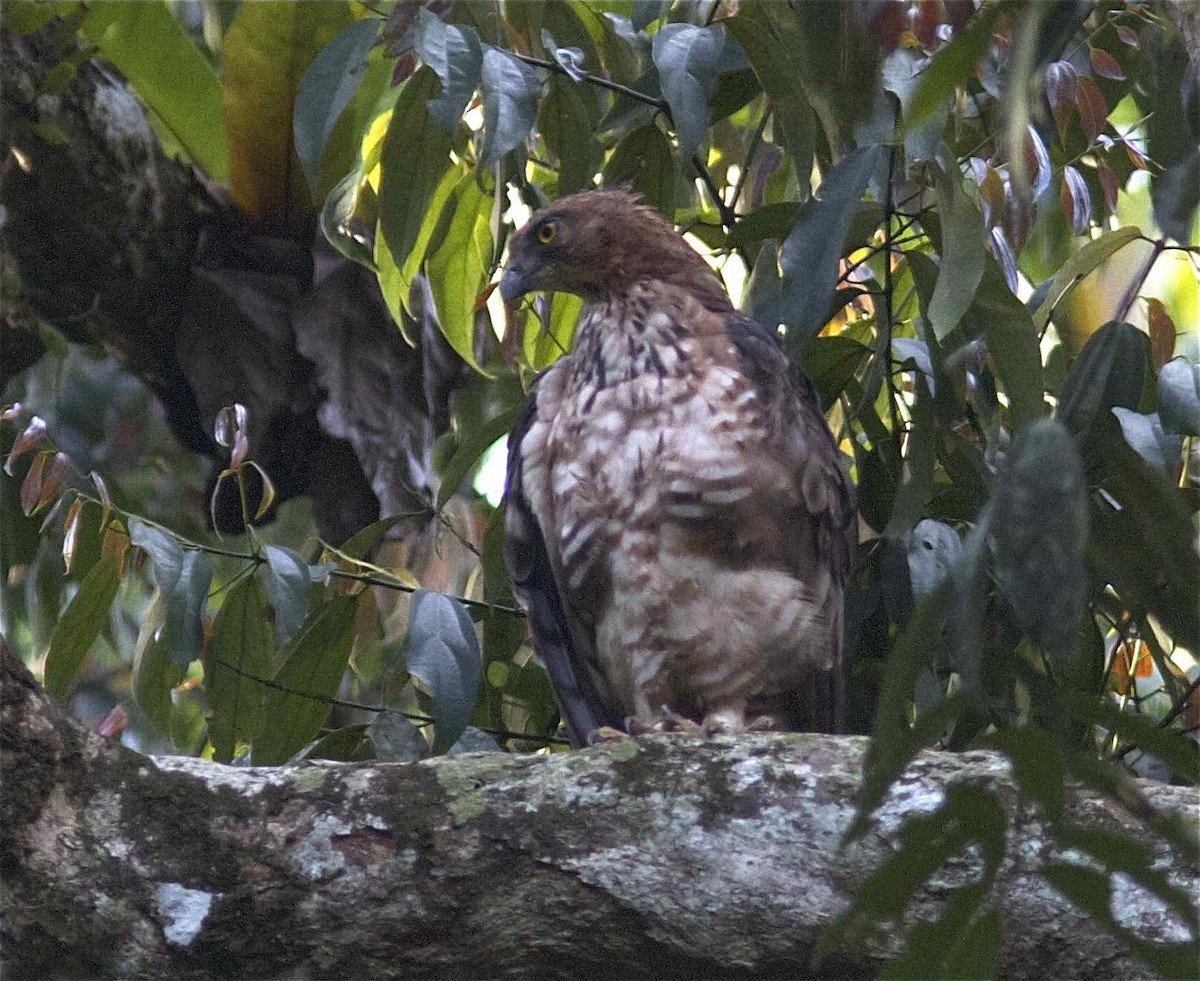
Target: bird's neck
[[644, 330]]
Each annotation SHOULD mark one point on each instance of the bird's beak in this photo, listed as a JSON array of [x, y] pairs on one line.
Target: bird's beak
[[514, 284]]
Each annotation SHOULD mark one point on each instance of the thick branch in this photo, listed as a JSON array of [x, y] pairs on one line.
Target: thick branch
[[660, 857]]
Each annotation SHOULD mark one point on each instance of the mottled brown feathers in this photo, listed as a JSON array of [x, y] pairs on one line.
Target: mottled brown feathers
[[678, 525]]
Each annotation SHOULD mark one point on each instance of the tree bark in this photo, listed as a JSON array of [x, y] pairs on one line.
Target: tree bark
[[664, 856]]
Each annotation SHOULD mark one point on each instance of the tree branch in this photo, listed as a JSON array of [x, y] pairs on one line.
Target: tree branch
[[665, 856]]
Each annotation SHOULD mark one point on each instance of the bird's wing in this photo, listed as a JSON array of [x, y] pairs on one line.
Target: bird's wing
[[563, 644], [798, 436]]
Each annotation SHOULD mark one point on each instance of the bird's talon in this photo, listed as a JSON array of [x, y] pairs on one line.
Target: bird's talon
[[606, 734]]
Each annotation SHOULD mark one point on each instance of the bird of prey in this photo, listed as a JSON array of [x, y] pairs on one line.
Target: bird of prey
[[678, 526]]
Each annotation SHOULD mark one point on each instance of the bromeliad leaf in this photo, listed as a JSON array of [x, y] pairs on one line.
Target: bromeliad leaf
[[80, 624], [287, 581], [687, 57], [294, 711], [456, 55], [443, 654], [326, 87], [510, 102]]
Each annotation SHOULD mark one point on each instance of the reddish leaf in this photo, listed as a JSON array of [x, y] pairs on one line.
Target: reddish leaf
[[114, 723], [1060, 84], [1093, 110], [991, 194], [888, 25], [1004, 255], [1129, 36], [28, 439], [52, 481], [1105, 65], [105, 498], [926, 23], [31, 486], [1108, 181], [71, 531], [1162, 333], [1075, 200], [1037, 162], [1136, 157]]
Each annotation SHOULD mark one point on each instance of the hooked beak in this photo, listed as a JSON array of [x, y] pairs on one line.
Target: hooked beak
[[514, 284]]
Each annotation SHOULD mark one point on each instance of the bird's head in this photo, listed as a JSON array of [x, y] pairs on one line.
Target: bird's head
[[598, 244]]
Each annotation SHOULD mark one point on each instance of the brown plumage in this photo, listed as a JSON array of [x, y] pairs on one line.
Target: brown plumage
[[678, 525]]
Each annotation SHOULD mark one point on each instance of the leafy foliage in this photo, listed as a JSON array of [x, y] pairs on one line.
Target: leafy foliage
[[941, 208]]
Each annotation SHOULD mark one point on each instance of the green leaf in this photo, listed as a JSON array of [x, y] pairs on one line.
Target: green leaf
[[1083, 262], [952, 66], [454, 52], [510, 90], [166, 554], [154, 673], [443, 654], [1039, 540], [242, 647], [80, 624], [416, 155], [545, 344], [1179, 396], [326, 88], [168, 72], [808, 259], [830, 363], [459, 266], [1012, 340], [564, 125], [291, 718], [1037, 760], [643, 159], [287, 581], [1176, 751], [264, 54], [471, 447], [769, 221], [686, 57], [962, 257]]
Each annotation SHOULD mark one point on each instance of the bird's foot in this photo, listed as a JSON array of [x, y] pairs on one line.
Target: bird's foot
[[606, 734], [668, 721], [725, 721], [766, 723]]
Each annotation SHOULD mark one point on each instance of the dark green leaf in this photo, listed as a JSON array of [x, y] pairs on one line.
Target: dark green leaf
[[1037, 761], [326, 87], [968, 607], [183, 630], [1179, 396], [396, 740], [769, 221], [914, 490], [471, 447], [166, 554], [952, 66], [1110, 371], [809, 257], [443, 653], [831, 362], [348, 744], [287, 581], [80, 624], [1145, 433], [1039, 539], [510, 91], [1176, 751], [169, 73], [962, 257], [311, 675], [362, 544], [734, 90], [456, 55], [644, 161], [416, 153], [1012, 340], [686, 57], [564, 124], [242, 648]]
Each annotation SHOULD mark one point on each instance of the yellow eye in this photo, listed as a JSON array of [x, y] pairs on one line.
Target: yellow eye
[[547, 233]]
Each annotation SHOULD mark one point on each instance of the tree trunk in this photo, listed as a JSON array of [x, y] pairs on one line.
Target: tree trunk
[[664, 856]]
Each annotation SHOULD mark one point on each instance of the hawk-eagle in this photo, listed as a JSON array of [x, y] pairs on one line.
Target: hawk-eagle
[[678, 526]]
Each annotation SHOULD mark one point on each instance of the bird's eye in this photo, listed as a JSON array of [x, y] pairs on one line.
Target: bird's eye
[[547, 232]]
